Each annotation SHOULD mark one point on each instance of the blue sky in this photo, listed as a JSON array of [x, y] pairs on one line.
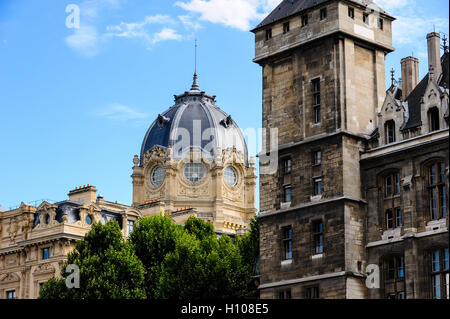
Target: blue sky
[[75, 103]]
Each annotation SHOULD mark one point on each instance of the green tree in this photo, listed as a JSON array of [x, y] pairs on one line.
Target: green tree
[[109, 268], [152, 239], [203, 266]]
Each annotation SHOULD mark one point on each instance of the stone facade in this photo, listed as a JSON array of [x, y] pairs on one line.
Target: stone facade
[[334, 62]]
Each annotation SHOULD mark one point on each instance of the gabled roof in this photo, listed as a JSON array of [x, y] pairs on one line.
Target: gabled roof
[[291, 7], [415, 97]]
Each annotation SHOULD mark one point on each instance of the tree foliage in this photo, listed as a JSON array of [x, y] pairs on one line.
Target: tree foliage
[[161, 260], [109, 268]]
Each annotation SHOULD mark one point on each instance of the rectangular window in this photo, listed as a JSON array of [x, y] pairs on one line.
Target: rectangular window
[[318, 237], [380, 24], [287, 242], [438, 197], [287, 165], [285, 294], [390, 132], [317, 186], [317, 157], [401, 295], [365, 18], [440, 274], [130, 227], [396, 184], [11, 294], [323, 13], [316, 100], [312, 293], [388, 186], [400, 261], [46, 253], [304, 20], [351, 13], [286, 27], [268, 34], [287, 194], [392, 185]]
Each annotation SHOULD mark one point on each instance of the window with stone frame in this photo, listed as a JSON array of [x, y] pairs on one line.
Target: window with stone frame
[[11, 294], [317, 229], [365, 18], [312, 292], [380, 24], [286, 27], [433, 119], [394, 277], [287, 165], [304, 19], [392, 206], [437, 191], [389, 131], [323, 13], [284, 294], [287, 242], [287, 193], [351, 12], [439, 273], [318, 186], [268, 34], [317, 157], [46, 253], [316, 100]]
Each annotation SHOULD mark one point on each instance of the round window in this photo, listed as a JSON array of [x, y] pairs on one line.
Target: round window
[[194, 172], [88, 220], [157, 175], [230, 176]]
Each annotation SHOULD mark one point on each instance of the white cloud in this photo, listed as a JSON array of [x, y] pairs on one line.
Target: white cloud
[[188, 23], [84, 40], [413, 29], [166, 34], [141, 30], [119, 112], [232, 13]]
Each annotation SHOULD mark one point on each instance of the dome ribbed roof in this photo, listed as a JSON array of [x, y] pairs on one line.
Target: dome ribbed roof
[[195, 113]]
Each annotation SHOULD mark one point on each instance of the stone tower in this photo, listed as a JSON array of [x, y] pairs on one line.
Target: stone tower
[[323, 69]]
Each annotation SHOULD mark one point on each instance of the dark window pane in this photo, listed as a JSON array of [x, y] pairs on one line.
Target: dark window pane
[[323, 13], [399, 217], [435, 261], [446, 259], [400, 267]]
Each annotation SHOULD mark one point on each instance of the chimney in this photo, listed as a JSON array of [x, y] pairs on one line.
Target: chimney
[[410, 75], [434, 53], [83, 194]]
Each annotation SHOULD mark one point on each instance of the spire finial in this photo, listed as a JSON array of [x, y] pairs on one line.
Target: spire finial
[[393, 76], [195, 86]]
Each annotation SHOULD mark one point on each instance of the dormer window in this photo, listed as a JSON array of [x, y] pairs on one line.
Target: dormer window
[[389, 129], [286, 27], [268, 34], [433, 119]]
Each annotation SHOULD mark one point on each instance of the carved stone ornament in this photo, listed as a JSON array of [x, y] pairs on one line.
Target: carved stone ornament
[[44, 268], [156, 153]]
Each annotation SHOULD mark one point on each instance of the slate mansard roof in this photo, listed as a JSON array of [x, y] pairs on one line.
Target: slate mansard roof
[[195, 112]]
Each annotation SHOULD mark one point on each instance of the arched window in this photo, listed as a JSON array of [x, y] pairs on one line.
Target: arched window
[[437, 191], [389, 131], [394, 277], [433, 119]]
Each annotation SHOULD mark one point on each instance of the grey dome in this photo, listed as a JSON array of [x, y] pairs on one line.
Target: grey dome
[[194, 112]]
